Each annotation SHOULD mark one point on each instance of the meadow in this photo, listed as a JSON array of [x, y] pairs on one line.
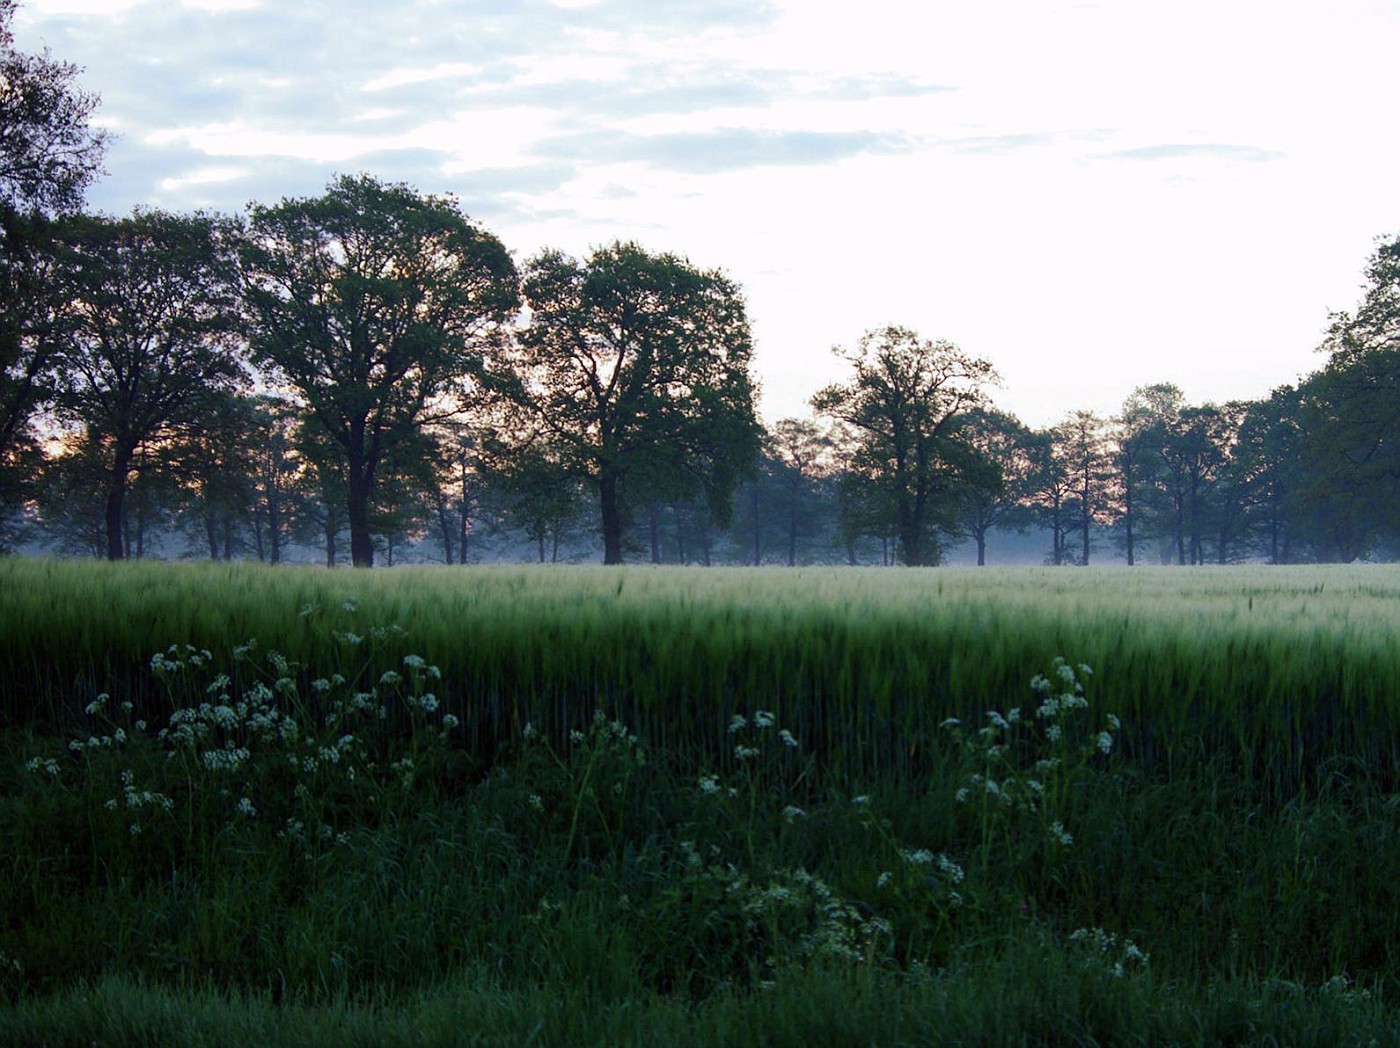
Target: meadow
[[585, 805]]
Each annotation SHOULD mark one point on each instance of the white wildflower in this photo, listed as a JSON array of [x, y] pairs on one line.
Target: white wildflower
[[738, 723], [763, 719], [414, 662], [788, 740], [1058, 831], [793, 813], [745, 753], [1105, 742], [708, 784]]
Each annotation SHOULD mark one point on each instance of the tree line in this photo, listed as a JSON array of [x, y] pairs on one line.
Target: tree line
[[369, 373]]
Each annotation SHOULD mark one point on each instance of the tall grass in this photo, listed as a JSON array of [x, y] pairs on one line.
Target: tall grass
[[752, 831], [1283, 670]]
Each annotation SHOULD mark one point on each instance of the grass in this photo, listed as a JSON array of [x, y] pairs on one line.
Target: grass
[[325, 835], [1284, 670]]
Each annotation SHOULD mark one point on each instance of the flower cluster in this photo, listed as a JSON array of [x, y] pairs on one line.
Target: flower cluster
[[1117, 955], [1024, 762]]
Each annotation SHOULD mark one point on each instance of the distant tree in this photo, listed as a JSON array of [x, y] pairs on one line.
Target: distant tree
[[543, 498], [1082, 446], [636, 367], [1001, 500], [1136, 439], [805, 465], [379, 306], [907, 408], [1196, 455], [1269, 450], [149, 337], [215, 467], [1050, 487], [71, 496], [278, 475]]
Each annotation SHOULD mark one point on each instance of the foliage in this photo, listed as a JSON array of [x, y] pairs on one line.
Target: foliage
[[148, 331], [636, 368], [907, 407], [379, 306], [48, 153]]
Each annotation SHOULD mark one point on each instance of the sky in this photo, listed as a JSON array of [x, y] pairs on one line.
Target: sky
[[1092, 196]]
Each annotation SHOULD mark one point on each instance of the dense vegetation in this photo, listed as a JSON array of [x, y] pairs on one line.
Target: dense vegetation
[[579, 805]]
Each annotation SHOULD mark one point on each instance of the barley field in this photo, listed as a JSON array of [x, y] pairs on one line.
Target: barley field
[[657, 806], [1286, 668]]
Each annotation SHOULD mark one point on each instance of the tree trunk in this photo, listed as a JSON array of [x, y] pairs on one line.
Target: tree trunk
[[361, 542], [611, 507], [116, 497], [981, 547], [654, 535]]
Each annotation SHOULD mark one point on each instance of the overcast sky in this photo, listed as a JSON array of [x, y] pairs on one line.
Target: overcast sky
[[1092, 196]]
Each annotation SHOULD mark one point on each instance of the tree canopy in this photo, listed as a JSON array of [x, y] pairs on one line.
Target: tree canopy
[[379, 306], [49, 153], [637, 367], [907, 405], [148, 326]]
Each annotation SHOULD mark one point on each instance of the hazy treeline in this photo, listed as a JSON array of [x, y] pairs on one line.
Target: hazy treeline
[[368, 374]]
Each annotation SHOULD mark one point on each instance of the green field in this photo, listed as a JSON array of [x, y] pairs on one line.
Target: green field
[[657, 805]]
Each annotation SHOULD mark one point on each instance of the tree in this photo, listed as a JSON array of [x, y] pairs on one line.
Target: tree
[[27, 346], [1082, 448], [1006, 447], [907, 406], [48, 156], [1139, 433], [803, 455], [48, 153], [636, 366], [149, 324], [1051, 492], [379, 305], [1268, 450]]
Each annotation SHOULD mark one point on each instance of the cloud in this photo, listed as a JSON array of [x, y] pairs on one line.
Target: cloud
[[1205, 150], [724, 149]]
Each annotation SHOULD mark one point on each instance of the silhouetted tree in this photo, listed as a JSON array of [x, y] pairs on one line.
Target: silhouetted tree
[[636, 367], [379, 305], [907, 409]]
